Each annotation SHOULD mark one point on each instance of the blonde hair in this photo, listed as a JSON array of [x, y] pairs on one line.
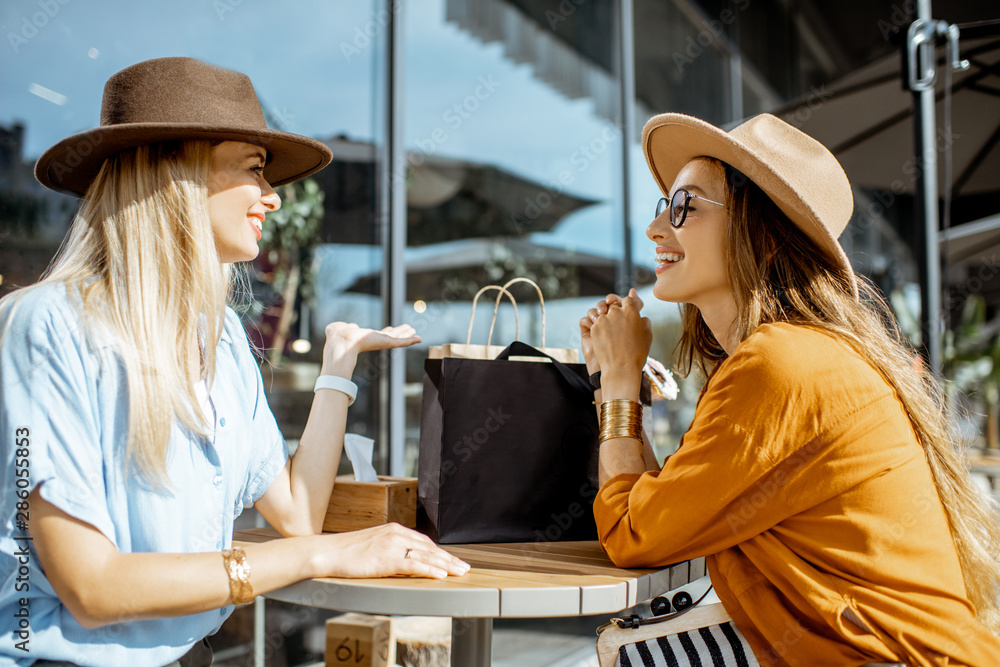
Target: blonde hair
[[778, 274], [141, 257]]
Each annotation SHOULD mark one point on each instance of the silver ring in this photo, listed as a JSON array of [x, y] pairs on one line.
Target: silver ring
[[407, 554]]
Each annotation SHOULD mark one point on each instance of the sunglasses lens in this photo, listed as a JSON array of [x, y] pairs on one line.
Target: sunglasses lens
[[678, 208], [661, 206]]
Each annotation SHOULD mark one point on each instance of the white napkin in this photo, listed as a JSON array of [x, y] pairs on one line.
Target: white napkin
[[360, 451]]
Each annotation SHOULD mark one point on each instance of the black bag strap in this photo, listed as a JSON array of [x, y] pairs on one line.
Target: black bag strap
[[519, 349], [635, 621]]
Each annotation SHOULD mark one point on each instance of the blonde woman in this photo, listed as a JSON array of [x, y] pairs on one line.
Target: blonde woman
[[133, 419], [819, 475]]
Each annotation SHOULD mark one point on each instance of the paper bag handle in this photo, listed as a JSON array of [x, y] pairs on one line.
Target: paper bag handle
[[472, 317], [541, 300]]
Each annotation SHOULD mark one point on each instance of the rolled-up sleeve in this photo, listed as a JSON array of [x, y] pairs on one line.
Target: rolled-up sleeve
[[697, 504], [47, 403], [769, 418]]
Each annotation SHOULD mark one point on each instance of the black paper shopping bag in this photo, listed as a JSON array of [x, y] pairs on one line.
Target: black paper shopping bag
[[508, 449]]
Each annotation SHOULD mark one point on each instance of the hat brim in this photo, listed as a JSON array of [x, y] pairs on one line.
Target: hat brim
[[72, 164], [671, 140]]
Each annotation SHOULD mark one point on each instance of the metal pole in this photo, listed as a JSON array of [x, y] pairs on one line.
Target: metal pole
[[259, 616], [626, 73], [921, 45], [397, 238], [392, 223], [471, 642]]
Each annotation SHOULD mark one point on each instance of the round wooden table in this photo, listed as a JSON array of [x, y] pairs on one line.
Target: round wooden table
[[517, 580]]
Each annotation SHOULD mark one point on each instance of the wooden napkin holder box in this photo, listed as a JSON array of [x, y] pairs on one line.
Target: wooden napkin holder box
[[355, 505]]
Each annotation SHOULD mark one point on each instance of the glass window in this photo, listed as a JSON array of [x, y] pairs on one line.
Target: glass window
[[316, 67], [512, 145]]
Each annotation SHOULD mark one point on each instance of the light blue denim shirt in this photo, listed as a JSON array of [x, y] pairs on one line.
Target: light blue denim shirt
[[64, 419]]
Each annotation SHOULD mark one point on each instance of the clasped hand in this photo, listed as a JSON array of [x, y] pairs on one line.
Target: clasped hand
[[616, 338]]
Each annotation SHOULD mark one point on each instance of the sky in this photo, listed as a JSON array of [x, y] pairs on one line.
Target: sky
[[314, 66]]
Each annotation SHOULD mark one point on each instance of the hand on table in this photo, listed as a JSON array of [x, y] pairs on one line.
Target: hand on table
[[383, 551]]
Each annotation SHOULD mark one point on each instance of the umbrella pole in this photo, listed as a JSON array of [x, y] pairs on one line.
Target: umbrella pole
[[921, 75]]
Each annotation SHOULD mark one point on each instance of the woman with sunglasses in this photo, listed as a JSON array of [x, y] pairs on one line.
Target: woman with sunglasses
[[819, 476], [134, 426]]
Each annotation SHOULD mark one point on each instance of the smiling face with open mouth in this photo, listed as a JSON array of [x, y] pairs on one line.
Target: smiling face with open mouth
[[238, 199], [691, 259]]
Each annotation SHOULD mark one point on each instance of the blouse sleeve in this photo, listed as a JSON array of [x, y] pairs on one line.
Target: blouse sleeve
[[49, 421], [269, 450], [716, 491], [777, 431], [724, 484]]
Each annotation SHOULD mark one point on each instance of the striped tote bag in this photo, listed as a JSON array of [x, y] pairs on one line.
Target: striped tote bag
[[704, 636], [712, 646]]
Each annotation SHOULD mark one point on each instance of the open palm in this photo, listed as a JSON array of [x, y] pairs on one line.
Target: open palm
[[365, 340]]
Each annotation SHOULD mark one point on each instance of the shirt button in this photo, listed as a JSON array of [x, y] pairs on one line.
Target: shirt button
[[218, 544], [218, 480], [222, 612], [222, 422]]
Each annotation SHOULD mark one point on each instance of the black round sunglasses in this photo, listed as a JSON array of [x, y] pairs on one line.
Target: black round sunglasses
[[678, 205]]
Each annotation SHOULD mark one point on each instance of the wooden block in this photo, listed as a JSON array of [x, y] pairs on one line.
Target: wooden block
[[355, 505], [360, 640], [423, 641]]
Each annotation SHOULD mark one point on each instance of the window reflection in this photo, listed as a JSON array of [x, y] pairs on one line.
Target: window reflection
[[513, 138], [305, 83]]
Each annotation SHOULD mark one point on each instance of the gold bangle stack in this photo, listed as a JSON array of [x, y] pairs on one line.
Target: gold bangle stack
[[620, 418], [235, 560]]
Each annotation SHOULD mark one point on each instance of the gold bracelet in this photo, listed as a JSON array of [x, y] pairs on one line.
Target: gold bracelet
[[235, 560], [620, 418]]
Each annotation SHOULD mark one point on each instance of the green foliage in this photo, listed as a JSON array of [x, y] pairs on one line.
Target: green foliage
[[292, 230], [558, 281], [297, 223], [972, 351]]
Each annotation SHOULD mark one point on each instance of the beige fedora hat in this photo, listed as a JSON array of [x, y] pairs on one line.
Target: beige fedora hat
[[797, 172], [169, 99]]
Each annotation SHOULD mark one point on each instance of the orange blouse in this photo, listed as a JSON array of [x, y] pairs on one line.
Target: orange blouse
[[802, 481]]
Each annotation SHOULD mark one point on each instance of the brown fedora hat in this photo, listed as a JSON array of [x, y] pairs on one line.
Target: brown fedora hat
[[169, 99], [797, 172]]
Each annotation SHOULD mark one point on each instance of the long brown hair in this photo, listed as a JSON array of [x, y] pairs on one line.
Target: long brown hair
[[778, 274]]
